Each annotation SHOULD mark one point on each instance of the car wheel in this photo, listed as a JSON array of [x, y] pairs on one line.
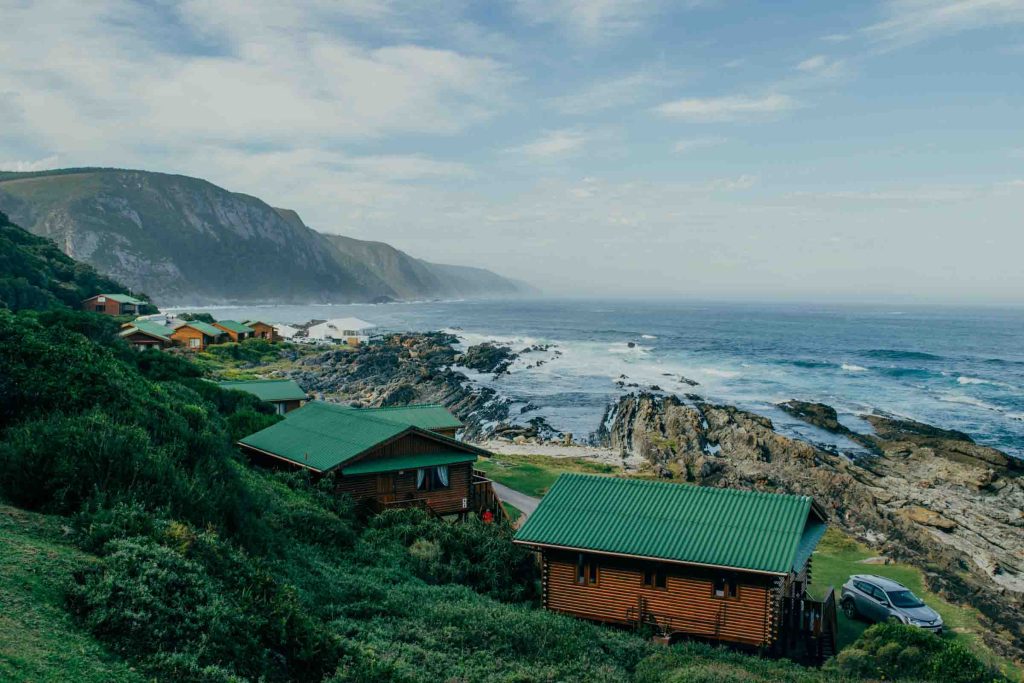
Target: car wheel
[[850, 609]]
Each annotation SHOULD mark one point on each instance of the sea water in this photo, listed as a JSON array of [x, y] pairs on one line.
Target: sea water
[[956, 368]]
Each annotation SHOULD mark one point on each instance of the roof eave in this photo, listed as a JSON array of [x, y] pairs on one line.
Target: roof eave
[[282, 458], [534, 544]]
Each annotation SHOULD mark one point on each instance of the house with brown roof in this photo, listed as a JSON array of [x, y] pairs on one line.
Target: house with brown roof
[[696, 562], [384, 458]]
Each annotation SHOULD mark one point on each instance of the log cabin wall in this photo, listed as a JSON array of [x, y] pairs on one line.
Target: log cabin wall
[[686, 604], [397, 487], [184, 335]]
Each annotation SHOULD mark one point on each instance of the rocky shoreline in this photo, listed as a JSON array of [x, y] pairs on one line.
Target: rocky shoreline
[[928, 496], [916, 493]]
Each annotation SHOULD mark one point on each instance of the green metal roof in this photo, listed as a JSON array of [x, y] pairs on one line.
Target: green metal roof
[[268, 389], [325, 435], [236, 326], [121, 299], [150, 328], [676, 522], [813, 533], [406, 462], [424, 416], [206, 328]]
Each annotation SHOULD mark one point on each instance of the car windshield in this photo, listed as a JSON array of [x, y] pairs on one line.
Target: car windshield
[[905, 599]]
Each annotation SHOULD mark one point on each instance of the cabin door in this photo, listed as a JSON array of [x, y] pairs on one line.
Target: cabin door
[[385, 487]]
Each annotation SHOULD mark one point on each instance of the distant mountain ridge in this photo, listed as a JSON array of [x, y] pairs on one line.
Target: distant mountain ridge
[[184, 240]]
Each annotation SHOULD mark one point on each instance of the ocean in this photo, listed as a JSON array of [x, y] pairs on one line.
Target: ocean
[[956, 368]]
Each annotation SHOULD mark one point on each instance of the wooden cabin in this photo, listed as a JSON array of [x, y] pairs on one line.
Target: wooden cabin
[[714, 564], [262, 330], [284, 394], [234, 329], [384, 458], [113, 304], [196, 336], [143, 334]]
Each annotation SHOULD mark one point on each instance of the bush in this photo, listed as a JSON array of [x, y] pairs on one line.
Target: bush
[[895, 651]]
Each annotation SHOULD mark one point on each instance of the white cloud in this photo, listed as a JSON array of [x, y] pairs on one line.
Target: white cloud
[[726, 108], [407, 167], [608, 94], [813, 63], [822, 66], [909, 21], [553, 144], [692, 144], [836, 38], [273, 77], [35, 165], [590, 19]]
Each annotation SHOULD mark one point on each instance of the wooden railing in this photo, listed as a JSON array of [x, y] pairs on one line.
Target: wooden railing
[[483, 496], [809, 627]]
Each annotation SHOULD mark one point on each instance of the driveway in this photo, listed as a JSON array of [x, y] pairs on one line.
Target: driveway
[[526, 504]]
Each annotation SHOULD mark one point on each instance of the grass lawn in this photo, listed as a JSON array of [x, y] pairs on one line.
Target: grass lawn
[[513, 513], [838, 557], [534, 474], [39, 641]]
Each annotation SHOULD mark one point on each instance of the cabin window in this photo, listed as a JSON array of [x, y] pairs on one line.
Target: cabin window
[[280, 408], [725, 587], [432, 478], [194, 343], [586, 570], [654, 577], [101, 308]]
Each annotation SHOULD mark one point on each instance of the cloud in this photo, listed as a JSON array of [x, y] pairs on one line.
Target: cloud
[[49, 162], [218, 73], [910, 21], [692, 144], [730, 108], [407, 167], [616, 92], [836, 38], [822, 66], [553, 144], [591, 20]]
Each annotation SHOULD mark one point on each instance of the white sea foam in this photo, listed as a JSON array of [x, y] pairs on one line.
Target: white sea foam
[[724, 374], [969, 401], [647, 336], [850, 367], [972, 380]]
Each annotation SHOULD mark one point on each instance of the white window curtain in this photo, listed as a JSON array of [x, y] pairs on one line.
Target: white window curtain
[[442, 475], [421, 478]]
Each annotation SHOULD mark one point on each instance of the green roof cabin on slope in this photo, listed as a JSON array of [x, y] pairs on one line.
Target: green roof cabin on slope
[[687, 561], [206, 328], [383, 458], [751, 530], [323, 436], [123, 299], [156, 330], [235, 326]]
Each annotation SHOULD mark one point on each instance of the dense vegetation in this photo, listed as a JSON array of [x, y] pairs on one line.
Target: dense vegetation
[[187, 564], [35, 274]]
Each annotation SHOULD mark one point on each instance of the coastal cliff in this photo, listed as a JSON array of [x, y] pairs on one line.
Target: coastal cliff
[[184, 240]]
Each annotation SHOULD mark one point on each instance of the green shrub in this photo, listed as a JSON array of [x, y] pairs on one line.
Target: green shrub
[[895, 651]]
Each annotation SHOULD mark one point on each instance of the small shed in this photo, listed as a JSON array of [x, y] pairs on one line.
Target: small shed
[[284, 394]]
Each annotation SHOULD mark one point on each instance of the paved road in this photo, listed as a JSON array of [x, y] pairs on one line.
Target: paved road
[[527, 504]]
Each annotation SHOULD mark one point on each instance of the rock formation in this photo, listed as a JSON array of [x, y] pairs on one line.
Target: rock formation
[[930, 496]]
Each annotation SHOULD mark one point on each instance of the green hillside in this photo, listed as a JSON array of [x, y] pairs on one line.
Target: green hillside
[[185, 240], [136, 543]]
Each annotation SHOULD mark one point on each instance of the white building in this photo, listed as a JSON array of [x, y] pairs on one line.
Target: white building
[[285, 331], [351, 331]]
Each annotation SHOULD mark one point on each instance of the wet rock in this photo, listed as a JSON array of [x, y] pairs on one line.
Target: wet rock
[[488, 357]]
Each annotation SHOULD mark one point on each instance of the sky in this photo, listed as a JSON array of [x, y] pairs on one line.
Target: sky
[[869, 150]]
